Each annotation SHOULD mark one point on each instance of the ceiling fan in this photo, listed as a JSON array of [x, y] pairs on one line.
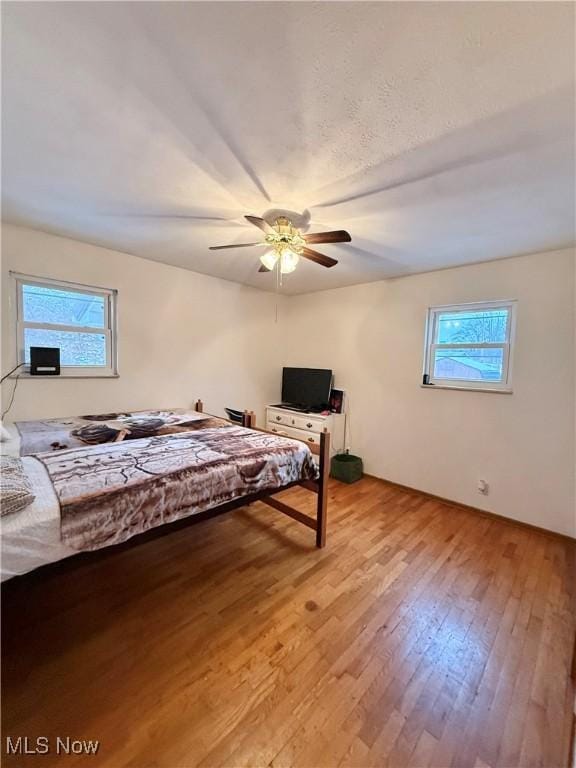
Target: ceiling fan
[[287, 245]]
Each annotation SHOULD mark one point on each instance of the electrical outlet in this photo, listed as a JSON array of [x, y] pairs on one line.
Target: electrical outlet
[[483, 487]]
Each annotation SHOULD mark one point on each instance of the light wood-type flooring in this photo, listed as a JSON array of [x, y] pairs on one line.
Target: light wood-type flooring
[[424, 634]]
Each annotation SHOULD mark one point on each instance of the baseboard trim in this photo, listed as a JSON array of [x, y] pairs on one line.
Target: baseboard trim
[[485, 513]]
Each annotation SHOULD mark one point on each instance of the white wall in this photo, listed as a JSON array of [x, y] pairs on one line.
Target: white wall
[[182, 335], [443, 441]]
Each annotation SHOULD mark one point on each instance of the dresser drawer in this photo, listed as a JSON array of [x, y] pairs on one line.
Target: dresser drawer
[[297, 420], [313, 438], [284, 418], [310, 423]]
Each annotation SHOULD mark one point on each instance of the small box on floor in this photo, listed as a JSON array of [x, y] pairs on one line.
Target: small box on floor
[[346, 467]]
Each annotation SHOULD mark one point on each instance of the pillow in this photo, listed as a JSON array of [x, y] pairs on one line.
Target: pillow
[[94, 434], [15, 490]]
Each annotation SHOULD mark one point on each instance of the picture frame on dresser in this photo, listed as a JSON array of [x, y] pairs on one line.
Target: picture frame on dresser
[[337, 401]]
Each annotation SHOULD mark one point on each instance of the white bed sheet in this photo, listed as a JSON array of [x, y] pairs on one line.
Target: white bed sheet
[[11, 447], [31, 538]]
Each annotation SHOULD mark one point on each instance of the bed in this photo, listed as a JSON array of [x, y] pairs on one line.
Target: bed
[[90, 496]]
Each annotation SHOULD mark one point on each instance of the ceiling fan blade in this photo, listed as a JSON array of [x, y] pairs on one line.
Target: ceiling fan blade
[[319, 258], [237, 245], [262, 268], [338, 236], [260, 223]]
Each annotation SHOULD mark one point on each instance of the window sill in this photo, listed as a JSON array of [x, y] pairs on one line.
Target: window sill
[[493, 391], [66, 376]]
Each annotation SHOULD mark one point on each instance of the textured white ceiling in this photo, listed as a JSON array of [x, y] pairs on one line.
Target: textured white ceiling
[[436, 133]]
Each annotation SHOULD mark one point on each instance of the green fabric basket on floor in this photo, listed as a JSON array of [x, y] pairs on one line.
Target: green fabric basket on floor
[[346, 467]]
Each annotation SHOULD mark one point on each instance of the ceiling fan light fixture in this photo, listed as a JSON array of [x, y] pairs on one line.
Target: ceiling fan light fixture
[[269, 259], [288, 261], [287, 245]]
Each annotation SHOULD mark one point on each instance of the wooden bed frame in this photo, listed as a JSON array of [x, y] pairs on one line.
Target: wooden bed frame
[[319, 486]]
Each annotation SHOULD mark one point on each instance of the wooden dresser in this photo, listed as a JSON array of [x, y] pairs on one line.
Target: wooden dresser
[[307, 426]]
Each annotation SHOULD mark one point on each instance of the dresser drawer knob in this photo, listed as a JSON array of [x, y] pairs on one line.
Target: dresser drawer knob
[[311, 440], [309, 425], [278, 418]]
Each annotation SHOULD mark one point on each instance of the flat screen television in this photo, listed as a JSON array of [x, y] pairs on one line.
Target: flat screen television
[[306, 388]]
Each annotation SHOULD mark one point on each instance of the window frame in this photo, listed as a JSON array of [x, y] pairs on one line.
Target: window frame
[[431, 346], [110, 295]]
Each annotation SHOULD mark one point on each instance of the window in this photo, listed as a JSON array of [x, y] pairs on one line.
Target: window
[[469, 346], [80, 320]]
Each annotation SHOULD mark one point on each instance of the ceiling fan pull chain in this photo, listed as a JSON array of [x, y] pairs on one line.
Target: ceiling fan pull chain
[[278, 284]]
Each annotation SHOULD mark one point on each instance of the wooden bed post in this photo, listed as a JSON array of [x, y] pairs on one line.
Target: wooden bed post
[[249, 419], [199, 406], [322, 502]]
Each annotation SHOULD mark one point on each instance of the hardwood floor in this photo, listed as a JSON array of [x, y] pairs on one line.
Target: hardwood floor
[[423, 635]]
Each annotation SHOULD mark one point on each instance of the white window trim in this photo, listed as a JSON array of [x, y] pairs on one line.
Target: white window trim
[[504, 386], [109, 330]]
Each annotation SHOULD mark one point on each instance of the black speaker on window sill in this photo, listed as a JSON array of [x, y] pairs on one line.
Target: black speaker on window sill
[[44, 361]]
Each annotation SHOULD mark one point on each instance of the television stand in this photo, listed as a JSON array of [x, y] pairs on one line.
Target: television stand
[[306, 426]]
